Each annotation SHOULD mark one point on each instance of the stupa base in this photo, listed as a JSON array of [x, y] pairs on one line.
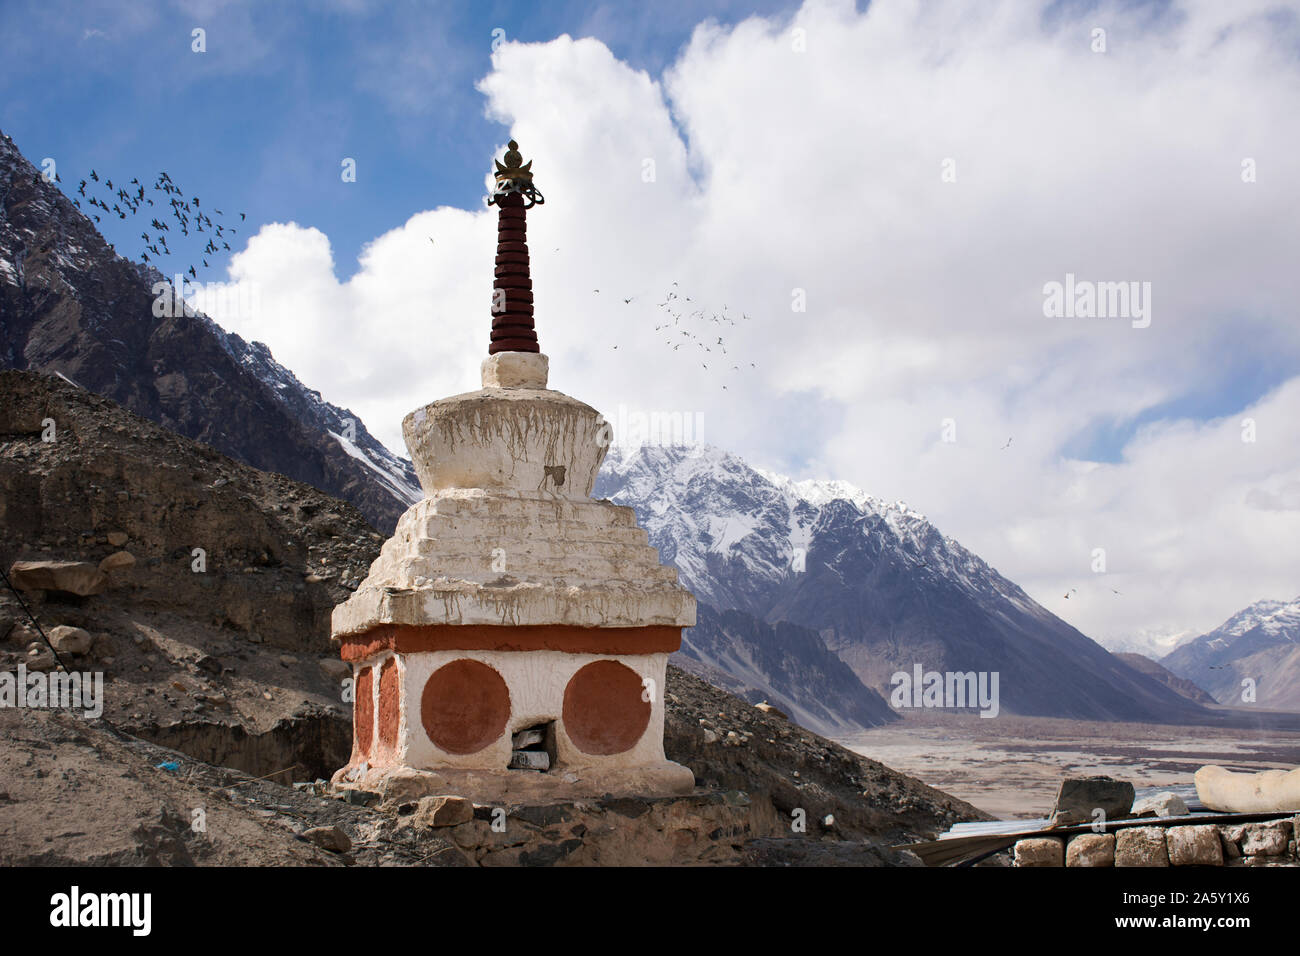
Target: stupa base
[[403, 784]]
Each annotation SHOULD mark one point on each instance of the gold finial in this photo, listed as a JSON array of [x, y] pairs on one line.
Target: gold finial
[[515, 176], [512, 171]]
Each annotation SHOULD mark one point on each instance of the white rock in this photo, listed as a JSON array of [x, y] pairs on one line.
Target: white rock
[[1164, 804], [70, 640]]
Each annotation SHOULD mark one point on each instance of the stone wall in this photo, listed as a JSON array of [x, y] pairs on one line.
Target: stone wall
[[1191, 844]]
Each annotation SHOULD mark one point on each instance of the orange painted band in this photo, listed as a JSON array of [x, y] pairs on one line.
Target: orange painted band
[[409, 639]]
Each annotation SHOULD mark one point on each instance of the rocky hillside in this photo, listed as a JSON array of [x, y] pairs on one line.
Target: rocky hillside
[[201, 657], [1261, 642], [1167, 677], [783, 664], [70, 305], [232, 667], [882, 586]]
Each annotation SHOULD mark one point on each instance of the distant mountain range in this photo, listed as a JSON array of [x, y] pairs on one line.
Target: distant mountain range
[[813, 594], [1260, 643]]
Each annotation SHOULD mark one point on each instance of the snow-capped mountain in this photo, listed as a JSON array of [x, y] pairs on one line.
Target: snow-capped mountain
[[1261, 642], [880, 584], [71, 306]]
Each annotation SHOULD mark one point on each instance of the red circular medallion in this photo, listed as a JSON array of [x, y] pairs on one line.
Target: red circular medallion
[[604, 712], [465, 706]]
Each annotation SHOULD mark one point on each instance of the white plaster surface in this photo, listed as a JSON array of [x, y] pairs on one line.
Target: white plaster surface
[[515, 370], [536, 680], [529, 439], [468, 556]]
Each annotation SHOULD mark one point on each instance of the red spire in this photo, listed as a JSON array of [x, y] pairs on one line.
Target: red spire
[[512, 290]]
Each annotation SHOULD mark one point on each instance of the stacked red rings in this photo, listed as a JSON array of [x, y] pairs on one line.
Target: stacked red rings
[[512, 289]]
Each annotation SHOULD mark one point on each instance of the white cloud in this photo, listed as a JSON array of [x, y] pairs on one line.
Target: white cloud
[[777, 170]]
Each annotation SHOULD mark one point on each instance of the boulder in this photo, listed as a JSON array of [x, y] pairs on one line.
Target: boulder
[[1163, 804], [117, 538], [328, 838], [1080, 797], [70, 640], [117, 561], [335, 669], [73, 577], [767, 708], [1091, 849], [1194, 846], [443, 811], [1141, 846], [1040, 851]]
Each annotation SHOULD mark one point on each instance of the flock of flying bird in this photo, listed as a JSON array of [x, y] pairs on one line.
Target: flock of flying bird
[[185, 215], [674, 305]]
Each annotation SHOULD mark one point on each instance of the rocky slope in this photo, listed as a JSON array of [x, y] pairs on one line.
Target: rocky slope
[[198, 657], [880, 584], [783, 664], [232, 666], [1167, 677], [1261, 642], [70, 305]]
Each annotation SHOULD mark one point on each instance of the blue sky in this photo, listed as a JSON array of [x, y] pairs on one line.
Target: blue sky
[[261, 121], [799, 146]]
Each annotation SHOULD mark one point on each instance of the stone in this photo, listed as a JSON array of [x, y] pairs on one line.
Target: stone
[[1164, 804], [117, 561], [532, 736], [1265, 839], [1040, 851], [1080, 797], [530, 760], [1263, 792], [39, 658], [334, 669], [23, 634], [1091, 849], [1141, 846], [1194, 846], [767, 708], [70, 640], [1230, 841], [117, 538], [72, 577], [328, 838], [443, 811]]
